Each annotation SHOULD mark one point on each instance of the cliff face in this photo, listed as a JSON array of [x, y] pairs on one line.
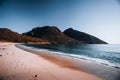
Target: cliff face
[[81, 36], [10, 36], [51, 34]]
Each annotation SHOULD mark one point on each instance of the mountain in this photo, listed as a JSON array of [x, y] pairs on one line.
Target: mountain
[[84, 37], [10, 36], [51, 34]]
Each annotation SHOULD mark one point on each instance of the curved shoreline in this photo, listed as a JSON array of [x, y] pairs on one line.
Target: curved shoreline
[[104, 72], [17, 64]]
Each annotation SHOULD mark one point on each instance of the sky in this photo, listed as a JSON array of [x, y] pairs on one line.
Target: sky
[[100, 18]]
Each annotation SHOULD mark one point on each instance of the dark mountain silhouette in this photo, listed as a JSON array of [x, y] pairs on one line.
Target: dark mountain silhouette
[[81, 36], [52, 34], [10, 36], [49, 35]]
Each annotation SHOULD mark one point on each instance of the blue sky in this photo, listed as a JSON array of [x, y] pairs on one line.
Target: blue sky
[[100, 18]]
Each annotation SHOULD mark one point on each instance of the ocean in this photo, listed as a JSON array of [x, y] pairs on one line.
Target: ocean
[[104, 54]]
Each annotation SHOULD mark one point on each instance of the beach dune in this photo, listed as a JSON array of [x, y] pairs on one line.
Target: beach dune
[[17, 64]]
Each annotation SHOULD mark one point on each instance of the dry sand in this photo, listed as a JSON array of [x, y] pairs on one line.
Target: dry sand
[[17, 64], [105, 72]]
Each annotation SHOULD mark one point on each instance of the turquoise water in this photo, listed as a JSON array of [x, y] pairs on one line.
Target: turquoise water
[[104, 54]]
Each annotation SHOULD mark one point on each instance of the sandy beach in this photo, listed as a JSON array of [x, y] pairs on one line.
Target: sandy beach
[[17, 64]]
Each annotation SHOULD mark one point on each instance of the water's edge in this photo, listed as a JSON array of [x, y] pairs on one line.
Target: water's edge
[[98, 57], [101, 71]]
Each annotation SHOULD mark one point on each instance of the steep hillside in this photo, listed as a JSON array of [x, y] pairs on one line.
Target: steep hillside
[[10, 36], [84, 37], [51, 34]]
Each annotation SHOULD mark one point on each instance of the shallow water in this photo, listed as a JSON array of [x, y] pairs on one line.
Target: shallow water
[[104, 54]]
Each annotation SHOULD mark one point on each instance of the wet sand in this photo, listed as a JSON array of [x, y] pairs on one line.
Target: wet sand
[[105, 72], [17, 64]]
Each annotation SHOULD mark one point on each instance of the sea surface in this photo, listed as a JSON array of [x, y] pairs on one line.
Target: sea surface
[[104, 54]]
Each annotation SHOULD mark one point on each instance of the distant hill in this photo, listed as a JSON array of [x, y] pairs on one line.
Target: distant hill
[[51, 34], [10, 36], [84, 37]]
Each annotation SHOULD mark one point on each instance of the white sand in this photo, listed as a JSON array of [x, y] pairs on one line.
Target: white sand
[[17, 64]]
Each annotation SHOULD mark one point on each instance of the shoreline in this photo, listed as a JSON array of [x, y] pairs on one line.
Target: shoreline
[[104, 72], [17, 64]]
